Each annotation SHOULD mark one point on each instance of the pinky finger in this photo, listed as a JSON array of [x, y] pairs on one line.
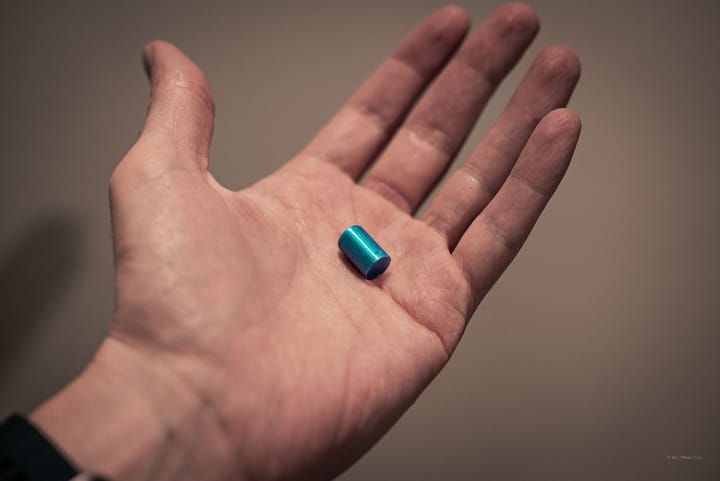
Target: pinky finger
[[496, 235]]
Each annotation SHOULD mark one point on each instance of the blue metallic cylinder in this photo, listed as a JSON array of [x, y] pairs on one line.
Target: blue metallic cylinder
[[362, 250]]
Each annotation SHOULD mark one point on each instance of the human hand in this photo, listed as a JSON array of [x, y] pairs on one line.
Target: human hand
[[243, 345]]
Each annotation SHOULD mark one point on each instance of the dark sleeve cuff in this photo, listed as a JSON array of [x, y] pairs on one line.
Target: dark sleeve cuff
[[25, 453]]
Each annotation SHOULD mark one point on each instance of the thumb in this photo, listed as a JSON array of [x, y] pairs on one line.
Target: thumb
[[181, 113]]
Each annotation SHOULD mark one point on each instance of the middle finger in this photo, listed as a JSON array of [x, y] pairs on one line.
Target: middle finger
[[434, 131]]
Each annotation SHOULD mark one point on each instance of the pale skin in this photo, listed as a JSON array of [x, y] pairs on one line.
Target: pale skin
[[243, 346]]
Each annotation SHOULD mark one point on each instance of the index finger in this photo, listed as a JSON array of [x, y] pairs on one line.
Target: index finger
[[364, 124]]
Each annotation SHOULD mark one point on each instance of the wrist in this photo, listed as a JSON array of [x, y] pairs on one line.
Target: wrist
[[129, 418]]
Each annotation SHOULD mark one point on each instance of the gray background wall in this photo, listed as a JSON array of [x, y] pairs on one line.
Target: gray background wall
[[592, 358]]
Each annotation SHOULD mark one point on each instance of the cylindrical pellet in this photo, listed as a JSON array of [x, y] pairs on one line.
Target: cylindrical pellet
[[363, 252]]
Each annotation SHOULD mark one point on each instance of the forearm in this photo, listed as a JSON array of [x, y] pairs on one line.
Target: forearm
[[127, 420]]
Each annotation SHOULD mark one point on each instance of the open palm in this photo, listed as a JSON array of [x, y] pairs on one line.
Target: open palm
[[243, 298]]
